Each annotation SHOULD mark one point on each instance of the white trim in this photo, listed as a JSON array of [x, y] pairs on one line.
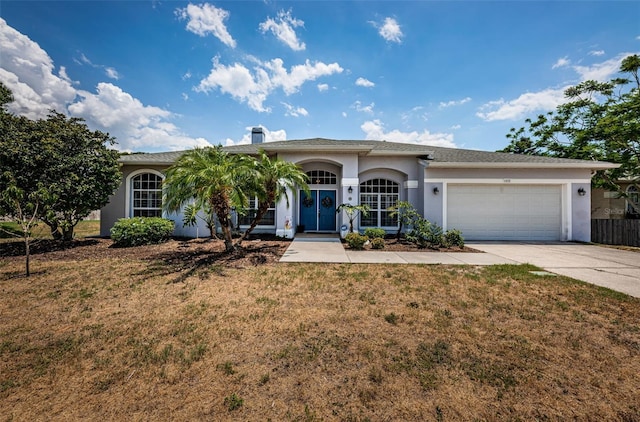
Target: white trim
[[410, 184], [507, 181], [350, 181], [597, 165], [566, 212], [127, 188]]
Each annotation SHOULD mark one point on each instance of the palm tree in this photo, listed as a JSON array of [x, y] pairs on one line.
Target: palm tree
[[211, 179], [272, 179]]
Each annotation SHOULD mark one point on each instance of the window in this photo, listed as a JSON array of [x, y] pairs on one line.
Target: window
[[268, 219], [634, 196], [322, 177], [379, 195], [146, 195]]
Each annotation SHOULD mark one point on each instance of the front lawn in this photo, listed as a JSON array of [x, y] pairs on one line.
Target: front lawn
[[175, 332]]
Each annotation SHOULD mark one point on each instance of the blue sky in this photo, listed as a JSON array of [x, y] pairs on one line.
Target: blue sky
[[169, 75]]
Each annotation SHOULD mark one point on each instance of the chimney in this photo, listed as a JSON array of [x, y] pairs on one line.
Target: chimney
[[257, 135]]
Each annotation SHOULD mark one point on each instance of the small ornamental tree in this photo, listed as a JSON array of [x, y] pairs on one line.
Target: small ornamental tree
[[406, 215], [352, 212]]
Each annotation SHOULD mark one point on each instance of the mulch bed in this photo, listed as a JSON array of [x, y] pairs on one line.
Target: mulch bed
[[183, 252], [401, 245]]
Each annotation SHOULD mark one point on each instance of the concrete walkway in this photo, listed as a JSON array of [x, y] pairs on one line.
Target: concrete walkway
[[330, 250], [607, 267]]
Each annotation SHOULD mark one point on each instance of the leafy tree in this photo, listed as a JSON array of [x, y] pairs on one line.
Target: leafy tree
[[601, 121], [62, 155], [211, 179], [80, 168], [353, 211], [271, 179]]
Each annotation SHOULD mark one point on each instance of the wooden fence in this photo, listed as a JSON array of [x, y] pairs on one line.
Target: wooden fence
[[616, 232]]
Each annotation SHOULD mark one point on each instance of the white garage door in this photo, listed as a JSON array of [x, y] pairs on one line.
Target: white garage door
[[505, 212]]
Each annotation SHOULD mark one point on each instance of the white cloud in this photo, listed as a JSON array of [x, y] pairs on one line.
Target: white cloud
[[596, 53], [524, 105], [28, 71], [550, 98], [455, 127], [365, 83], [323, 87], [295, 111], [389, 30], [344, 114], [269, 136], [207, 19], [30, 74], [135, 126], [374, 130], [454, 102], [186, 76], [363, 108], [601, 71], [283, 27], [112, 73], [254, 88], [109, 71], [561, 62]]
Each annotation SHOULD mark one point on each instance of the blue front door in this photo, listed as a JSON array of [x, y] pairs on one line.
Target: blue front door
[[327, 210], [318, 210]]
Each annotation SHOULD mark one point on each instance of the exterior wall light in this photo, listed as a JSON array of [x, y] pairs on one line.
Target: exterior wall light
[[582, 192], [350, 190], [436, 190]]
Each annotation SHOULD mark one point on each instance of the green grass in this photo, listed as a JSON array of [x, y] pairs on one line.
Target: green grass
[[10, 230]]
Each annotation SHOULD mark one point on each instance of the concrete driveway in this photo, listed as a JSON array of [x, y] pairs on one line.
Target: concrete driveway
[[608, 267]]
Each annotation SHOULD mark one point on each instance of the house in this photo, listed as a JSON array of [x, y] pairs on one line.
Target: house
[[609, 205], [486, 195]]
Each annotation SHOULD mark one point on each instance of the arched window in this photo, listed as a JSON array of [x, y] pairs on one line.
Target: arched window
[[634, 197], [146, 195], [379, 195], [322, 177]]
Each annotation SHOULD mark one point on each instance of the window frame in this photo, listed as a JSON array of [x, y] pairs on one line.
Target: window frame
[[252, 208], [382, 195], [130, 209]]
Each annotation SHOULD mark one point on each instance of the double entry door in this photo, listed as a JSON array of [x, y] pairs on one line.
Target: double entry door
[[318, 210]]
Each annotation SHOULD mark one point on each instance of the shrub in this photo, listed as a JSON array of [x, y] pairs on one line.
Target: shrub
[[453, 238], [377, 243], [425, 234], [356, 240], [141, 231], [374, 232]]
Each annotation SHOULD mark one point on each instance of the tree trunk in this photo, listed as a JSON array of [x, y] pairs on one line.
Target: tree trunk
[[67, 234], [27, 255], [260, 212]]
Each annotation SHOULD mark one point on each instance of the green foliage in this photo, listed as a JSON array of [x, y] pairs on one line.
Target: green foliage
[[356, 241], [600, 121], [377, 243], [425, 234], [374, 232], [352, 212], [141, 231], [451, 238], [270, 179], [213, 181], [233, 402], [64, 157], [405, 213]]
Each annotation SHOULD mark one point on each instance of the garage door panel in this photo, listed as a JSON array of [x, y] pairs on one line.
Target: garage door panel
[[505, 212]]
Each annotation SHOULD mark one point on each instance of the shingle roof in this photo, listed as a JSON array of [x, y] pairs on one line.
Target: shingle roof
[[435, 156]]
